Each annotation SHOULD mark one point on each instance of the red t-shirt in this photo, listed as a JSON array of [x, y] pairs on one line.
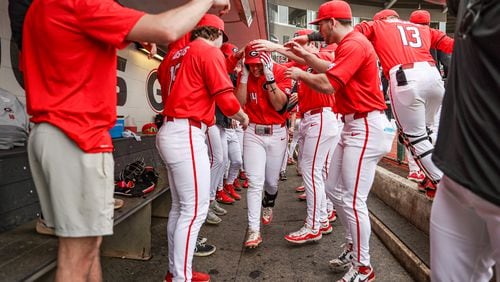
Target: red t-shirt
[[258, 106], [200, 75], [310, 99], [354, 76], [69, 50], [401, 42]]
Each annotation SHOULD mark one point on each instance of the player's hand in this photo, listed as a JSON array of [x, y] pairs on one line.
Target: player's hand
[[302, 39], [297, 49], [234, 123], [151, 47], [262, 45], [244, 74], [293, 73], [244, 122], [223, 5], [268, 64]]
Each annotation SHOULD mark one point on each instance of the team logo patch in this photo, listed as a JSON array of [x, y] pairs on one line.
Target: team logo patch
[[309, 70], [235, 50], [253, 53]]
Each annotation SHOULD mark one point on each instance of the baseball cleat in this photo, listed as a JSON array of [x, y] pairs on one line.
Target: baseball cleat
[[300, 189], [212, 218], [229, 189], [218, 210], [343, 261], [223, 198], [283, 176], [195, 277], [304, 235], [237, 185], [302, 197], [253, 239], [326, 228], [245, 184], [332, 215], [242, 175], [267, 215], [359, 274], [291, 161], [416, 176], [203, 249]]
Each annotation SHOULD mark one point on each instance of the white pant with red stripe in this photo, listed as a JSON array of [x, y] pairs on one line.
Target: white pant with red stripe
[[234, 154], [318, 133], [415, 106], [329, 187], [263, 156], [184, 151], [464, 235], [361, 146], [216, 157]]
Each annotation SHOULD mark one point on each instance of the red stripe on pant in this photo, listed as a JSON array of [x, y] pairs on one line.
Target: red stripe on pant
[[312, 173], [358, 235], [195, 201], [211, 151]]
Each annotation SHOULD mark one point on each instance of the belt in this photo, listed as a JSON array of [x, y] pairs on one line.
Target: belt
[[411, 65], [269, 125], [192, 122], [317, 110], [359, 115]]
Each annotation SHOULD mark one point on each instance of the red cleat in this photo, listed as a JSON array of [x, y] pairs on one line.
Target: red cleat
[[223, 198], [196, 277], [242, 175], [300, 189], [332, 216], [237, 185], [229, 189], [302, 197], [245, 184]]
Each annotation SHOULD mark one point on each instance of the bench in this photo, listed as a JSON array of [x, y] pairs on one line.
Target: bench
[[26, 255]]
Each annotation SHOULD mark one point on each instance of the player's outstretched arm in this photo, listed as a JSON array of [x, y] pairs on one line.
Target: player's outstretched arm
[[169, 26], [241, 88], [308, 58], [263, 45], [318, 82], [242, 117]]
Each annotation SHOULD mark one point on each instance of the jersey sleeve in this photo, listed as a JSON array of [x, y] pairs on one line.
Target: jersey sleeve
[[106, 20], [215, 72], [365, 28], [347, 61], [284, 84], [441, 41]]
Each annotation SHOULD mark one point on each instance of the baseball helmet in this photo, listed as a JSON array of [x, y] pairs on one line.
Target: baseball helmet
[[228, 49], [303, 32], [149, 129], [420, 17], [382, 15], [252, 56], [213, 21]]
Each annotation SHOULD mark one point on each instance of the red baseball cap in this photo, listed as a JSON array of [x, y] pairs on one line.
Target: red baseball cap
[[228, 49], [213, 21], [252, 56], [420, 17], [336, 9], [302, 32], [384, 14]]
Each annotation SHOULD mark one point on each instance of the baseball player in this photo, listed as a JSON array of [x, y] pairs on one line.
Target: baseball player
[[73, 111], [263, 90], [353, 78], [199, 78]]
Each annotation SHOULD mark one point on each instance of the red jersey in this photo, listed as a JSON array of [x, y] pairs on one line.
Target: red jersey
[[69, 50], [258, 107], [354, 76], [401, 42], [311, 99], [198, 74]]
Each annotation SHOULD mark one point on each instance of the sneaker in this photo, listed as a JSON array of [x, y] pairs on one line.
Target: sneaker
[[343, 261], [332, 215], [237, 185], [245, 184], [283, 176], [302, 197], [229, 189], [267, 215], [253, 239], [195, 277], [326, 228], [201, 240], [223, 198], [42, 228], [305, 234], [290, 161], [430, 191], [359, 274], [203, 249], [416, 176], [218, 210], [242, 175], [212, 218], [300, 189]]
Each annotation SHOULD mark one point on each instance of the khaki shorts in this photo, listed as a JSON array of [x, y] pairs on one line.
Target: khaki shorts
[[75, 188]]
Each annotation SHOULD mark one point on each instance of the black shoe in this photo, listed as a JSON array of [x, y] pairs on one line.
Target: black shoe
[[283, 176], [203, 249]]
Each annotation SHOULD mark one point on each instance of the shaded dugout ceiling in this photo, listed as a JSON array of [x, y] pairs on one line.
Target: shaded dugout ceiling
[[246, 21]]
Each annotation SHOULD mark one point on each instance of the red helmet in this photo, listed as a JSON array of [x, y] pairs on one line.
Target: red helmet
[[149, 129], [228, 49], [252, 56]]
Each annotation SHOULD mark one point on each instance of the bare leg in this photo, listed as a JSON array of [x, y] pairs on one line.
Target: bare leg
[[78, 259]]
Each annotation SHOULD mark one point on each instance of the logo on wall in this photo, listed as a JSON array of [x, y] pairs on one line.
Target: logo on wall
[[153, 92]]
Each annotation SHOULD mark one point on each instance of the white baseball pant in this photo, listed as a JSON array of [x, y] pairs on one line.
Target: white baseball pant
[[415, 106], [262, 160], [318, 135], [216, 158], [326, 171], [234, 154], [464, 234], [182, 147], [361, 146]]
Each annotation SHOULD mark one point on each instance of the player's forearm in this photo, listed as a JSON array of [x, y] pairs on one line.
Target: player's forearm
[[318, 65], [240, 116], [318, 82], [169, 26], [276, 96], [291, 56], [241, 93]]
